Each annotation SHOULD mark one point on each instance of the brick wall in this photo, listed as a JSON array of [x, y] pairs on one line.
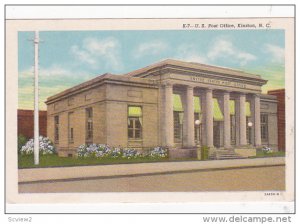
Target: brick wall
[[25, 123], [280, 93]]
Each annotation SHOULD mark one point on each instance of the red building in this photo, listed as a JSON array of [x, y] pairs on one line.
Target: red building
[[280, 93], [26, 123]]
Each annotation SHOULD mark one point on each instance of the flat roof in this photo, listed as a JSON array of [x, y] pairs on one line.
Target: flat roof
[[133, 77], [194, 65], [101, 79], [264, 96]]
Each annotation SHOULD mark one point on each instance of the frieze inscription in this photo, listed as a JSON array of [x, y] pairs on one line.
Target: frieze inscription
[[218, 82]]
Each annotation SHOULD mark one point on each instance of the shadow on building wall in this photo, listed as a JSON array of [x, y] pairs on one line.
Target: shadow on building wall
[[280, 93]]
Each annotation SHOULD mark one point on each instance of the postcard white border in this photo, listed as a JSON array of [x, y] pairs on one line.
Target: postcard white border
[[139, 11], [281, 204]]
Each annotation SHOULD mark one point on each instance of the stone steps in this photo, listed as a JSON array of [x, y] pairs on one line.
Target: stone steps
[[224, 154], [219, 154]]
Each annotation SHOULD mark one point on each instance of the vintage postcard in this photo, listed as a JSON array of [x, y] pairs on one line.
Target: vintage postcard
[[151, 110]]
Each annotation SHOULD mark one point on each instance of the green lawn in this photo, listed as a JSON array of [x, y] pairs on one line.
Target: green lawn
[[26, 161], [55, 161], [273, 154]]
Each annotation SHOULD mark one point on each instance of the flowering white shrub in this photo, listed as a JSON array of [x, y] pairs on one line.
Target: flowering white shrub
[[131, 153], [94, 150], [46, 147], [116, 152], [158, 152], [267, 149], [105, 151], [81, 150]]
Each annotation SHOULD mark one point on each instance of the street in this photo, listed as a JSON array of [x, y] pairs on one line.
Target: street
[[245, 179]]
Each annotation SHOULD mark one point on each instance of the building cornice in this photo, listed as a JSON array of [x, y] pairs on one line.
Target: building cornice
[[181, 67], [268, 98], [101, 80]]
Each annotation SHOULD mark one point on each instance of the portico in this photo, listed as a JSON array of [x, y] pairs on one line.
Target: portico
[[217, 106], [213, 109]]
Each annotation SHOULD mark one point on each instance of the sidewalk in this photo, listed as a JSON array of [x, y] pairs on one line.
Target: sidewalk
[[119, 170]]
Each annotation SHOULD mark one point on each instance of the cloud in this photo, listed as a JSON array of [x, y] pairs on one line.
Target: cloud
[[26, 95], [187, 52], [155, 47], [26, 90], [99, 52], [57, 71], [100, 47], [220, 48], [53, 72], [273, 72], [277, 53], [223, 48], [82, 55], [26, 73], [52, 80]]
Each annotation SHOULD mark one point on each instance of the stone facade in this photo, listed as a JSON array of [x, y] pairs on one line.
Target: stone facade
[[99, 110], [269, 110], [280, 94], [109, 97]]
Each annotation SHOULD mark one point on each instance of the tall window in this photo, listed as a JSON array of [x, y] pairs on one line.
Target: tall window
[[197, 128], [196, 134], [89, 125], [232, 130], [56, 129], [71, 129], [264, 127], [232, 122], [177, 116], [71, 135], [134, 122], [248, 131]]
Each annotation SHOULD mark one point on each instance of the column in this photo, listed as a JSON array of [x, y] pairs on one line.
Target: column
[[257, 130], [209, 119], [168, 115], [242, 119], [189, 122], [226, 111]]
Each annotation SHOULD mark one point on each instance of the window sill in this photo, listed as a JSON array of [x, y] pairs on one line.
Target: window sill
[[135, 140]]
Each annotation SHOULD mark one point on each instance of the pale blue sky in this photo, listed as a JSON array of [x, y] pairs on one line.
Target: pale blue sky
[[71, 57]]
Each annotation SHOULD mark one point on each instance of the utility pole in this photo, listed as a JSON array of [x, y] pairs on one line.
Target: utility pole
[[36, 99]]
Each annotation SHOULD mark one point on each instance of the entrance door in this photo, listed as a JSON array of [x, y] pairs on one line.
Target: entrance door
[[198, 134], [248, 131], [217, 134], [198, 129], [178, 118]]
